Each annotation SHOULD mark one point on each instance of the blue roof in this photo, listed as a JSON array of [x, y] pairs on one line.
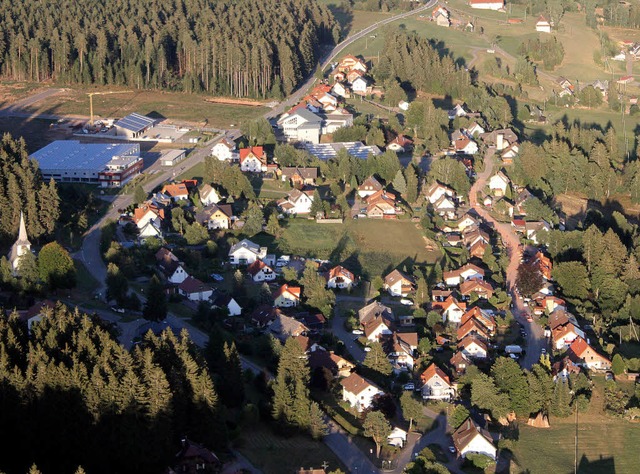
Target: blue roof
[[71, 154], [135, 122]]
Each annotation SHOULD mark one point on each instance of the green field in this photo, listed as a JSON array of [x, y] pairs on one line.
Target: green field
[[355, 20]]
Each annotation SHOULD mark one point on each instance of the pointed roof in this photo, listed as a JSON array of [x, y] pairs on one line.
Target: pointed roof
[[23, 241], [22, 233], [432, 371]]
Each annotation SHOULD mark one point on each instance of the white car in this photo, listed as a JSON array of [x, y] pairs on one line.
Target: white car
[[115, 309], [358, 332], [406, 302], [367, 349], [409, 386]]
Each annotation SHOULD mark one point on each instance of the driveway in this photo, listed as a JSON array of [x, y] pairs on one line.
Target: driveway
[[338, 329]]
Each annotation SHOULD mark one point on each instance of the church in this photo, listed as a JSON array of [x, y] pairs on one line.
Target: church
[[21, 247]]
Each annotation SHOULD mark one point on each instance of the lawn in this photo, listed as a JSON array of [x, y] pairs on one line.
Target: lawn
[[605, 444], [271, 453], [172, 105]]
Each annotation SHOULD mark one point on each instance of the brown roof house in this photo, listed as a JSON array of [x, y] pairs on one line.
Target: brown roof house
[[340, 277], [469, 438], [359, 392], [398, 283], [436, 384]]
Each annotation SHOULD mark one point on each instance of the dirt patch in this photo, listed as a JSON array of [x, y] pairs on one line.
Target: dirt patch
[[226, 100], [575, 207]]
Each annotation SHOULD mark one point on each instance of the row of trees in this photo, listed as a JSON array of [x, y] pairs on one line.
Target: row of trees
[[550, 52], [196, 46]]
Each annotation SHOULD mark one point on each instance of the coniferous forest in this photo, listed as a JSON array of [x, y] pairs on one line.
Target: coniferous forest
[[71, 395], [239, 48]]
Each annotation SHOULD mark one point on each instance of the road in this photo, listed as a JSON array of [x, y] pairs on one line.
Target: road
[[16, 108], [535, 334]]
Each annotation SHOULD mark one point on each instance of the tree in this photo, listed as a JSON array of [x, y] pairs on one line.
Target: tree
[[572, 278], [117, 284], [155, 308], [433, 318], [196, 234], [509, 378], [231, 387], [411, 408], [291, 403], [458, 415], [485, 395], [421, 296], [377, 428], [317, 425], [411, 179], [273, 226], [316, 204], [56, 267], [400, 183], [617, 365], [316, 293], [377, 360], [424, 346], [529, 279], [139, 194], [561, 401], [253, 218]]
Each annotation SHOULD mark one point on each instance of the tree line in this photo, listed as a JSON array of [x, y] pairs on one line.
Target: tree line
[[239, 48]]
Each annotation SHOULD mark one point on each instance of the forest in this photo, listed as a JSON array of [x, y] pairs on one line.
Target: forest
[[71, 395], [239, 48]]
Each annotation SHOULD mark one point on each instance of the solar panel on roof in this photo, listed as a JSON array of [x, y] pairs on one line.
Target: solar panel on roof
[[135, 122]]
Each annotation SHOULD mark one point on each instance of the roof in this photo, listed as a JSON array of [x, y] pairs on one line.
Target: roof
[[470, 339], [402, 141], [326, 151], [287, 326], [471, 326], [372, 310], [542, 20], [462, 269], [172, 155], [356, 384], [459, 358], [432, 371], [485, 318], [294, 291], [175, 189], [23, 240], [475, 284], [579, 346], [257, 151], [396, 276], [246, 244], [256, 266], [340, 272], [371, 183], [142, 211], [135, 122], [191, 450], [373, 324], [72, 155], [264, 314], [193, 285], [304, 173], [468, 430], [327, 359]]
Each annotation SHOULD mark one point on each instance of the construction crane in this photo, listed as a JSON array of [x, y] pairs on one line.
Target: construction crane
[[91, 94]]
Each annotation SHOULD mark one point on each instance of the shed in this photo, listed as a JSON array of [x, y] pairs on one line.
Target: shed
[[172, 157]]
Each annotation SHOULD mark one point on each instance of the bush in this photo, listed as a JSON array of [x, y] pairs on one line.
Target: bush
[[479, 460]]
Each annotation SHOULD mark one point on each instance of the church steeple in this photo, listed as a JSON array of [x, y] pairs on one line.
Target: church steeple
[[22, 245]]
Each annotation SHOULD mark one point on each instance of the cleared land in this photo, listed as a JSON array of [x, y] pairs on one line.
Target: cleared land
[[355, 20]]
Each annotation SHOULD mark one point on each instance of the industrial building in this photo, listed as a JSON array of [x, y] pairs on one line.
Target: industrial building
[[172, 157], [108, 164], [326, 151], [133, 125]]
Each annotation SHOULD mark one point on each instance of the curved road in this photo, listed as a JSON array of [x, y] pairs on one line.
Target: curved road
[[535, 334]]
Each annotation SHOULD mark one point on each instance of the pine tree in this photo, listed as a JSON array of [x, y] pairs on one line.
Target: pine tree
[[317, 425], [231, 383], [377, 428], [315, 291], [155, 308], [411, 179], [291, 403], [422, 292], [561, 402], [273, 226], [316, 204], [377, 360], [139, 194], [400, 183]]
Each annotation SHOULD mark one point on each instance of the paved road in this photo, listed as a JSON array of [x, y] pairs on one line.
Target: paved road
[[17, 108], [338, 330], [343, 447], [441, 436], [535, 334]]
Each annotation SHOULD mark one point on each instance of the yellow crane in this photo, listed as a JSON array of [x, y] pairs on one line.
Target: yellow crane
[[91, 94]]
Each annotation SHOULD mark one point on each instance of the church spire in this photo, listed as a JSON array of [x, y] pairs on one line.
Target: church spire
[[22, 234]]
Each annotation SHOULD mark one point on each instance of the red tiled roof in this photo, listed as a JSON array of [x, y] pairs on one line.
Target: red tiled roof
[[175, 189], [432, 370], [256, 151], [292, 290], [256, 266]]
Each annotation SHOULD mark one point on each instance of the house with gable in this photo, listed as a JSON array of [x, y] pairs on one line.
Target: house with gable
[[400, 349], [381, 205], [436, 191], [440, 16], [340, 89], [452, 309], [260, 271], [466, 272], [340, 277], [298, 176], [475, 285], [398, 283], [297, 202], [583, 355], [458, 111], [562, 336], [445, 207], [225, 150], [225, 300], [253, 159], [436, 384], [473, 327], [459, 362], [472, 346], [350, 63], [301, 125], [360, 85], [359, 392], [369, 186], [209, 195], [534, 230], [469, 438], [176, 191], [498, 184], [543, 25], [465, 146], [246, 252], [377, 328], [172, 269], [216, 216], [287, 296], [400, 144], [283, 327], [474, 130], [338, 366], [374, 310], [147, 213], [485, 318], [194, 289]]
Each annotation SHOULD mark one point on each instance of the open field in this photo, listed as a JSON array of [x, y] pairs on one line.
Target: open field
[[606, 445], [10, 91], [355, 20], [271, 453], [172, 105]]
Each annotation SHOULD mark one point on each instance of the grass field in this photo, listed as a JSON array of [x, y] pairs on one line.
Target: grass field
[[172, 105], [606, 445], [272, 453], [355, 20]]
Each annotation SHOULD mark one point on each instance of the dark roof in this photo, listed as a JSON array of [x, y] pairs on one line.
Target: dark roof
[[466, 432], [192, 285], [135, 122], [191, 450], [156, 327]]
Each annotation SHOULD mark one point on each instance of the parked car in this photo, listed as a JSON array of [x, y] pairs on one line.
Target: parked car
[[409, 386], [359, 332], [406, 302], [452, 449], [115, 309], [544, 351], [217, 277], [367, 349]]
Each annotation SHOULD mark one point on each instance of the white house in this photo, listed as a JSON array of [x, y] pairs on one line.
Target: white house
[[341, 90], [452, 310], [287, 296], [466, 272], [436, 384], [437, 190], [225, 150], [445, 206], [150, 229], [457, 111], [398, 283], [474, 129], [487, 4], [473, 347], [543, 25], [397, 437], [359, 392], [260, 271], [246, 252], [465, 146], [376, 328], [564, 335], [297, 202], [469, 438], [498, 183], [194, 289], [360, 85], [369, 186], [584, 355], [253, 159], [301, 125], [209, 195], [227, 301], [145, 214], [340, 277], [175, 274]]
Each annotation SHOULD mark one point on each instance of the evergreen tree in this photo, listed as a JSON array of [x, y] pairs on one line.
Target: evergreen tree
[[421, 296], [231, 382], [377, 360], [273, 226], [155, 308], [400, 183], [411, 408], [315, 291], [316, 204], [411, 179], [291, 403], [117, 284], [377, 428], [458, 416], [317, 425], [139, 194], [56, 267], [561, 402]]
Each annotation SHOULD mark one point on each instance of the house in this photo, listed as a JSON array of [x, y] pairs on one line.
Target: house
[[381, 205], [223, 300], [582, 354], [340, 277], [465, 222], [475, 235], [445, 207], [473, 327], [398, 283], [225, 150], [519, 225], [478, 249], [194, 289], [436, 384], [341, 90], [484, 317], [260, 271], [176, 191], [246, 252], [509, 153], [480, 287], [287, 296], [369, 186], [216, 216], [563, 336], [437, 190], [452, 309], [400, 349], [283, 327], [625, 80], [469, 438], [400, 144], [359, 392], [440, 16], [500, 138], [460, 362], [301, 125], [544, 265], [350, 62], [474, 130], [473, 347], [465, 146], [534, 230], [466, 272], [397, 437], [146, 213], [360, 85], [297, 202], [263, 315], [193, 458], [337, 365], [487, 4], [150, 229], [170, 266], [335, 120], [457, 111], [374, 310], [376, 328], [299, 176], [253, 159], [543, 25], [208, 195], [499, 183]]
